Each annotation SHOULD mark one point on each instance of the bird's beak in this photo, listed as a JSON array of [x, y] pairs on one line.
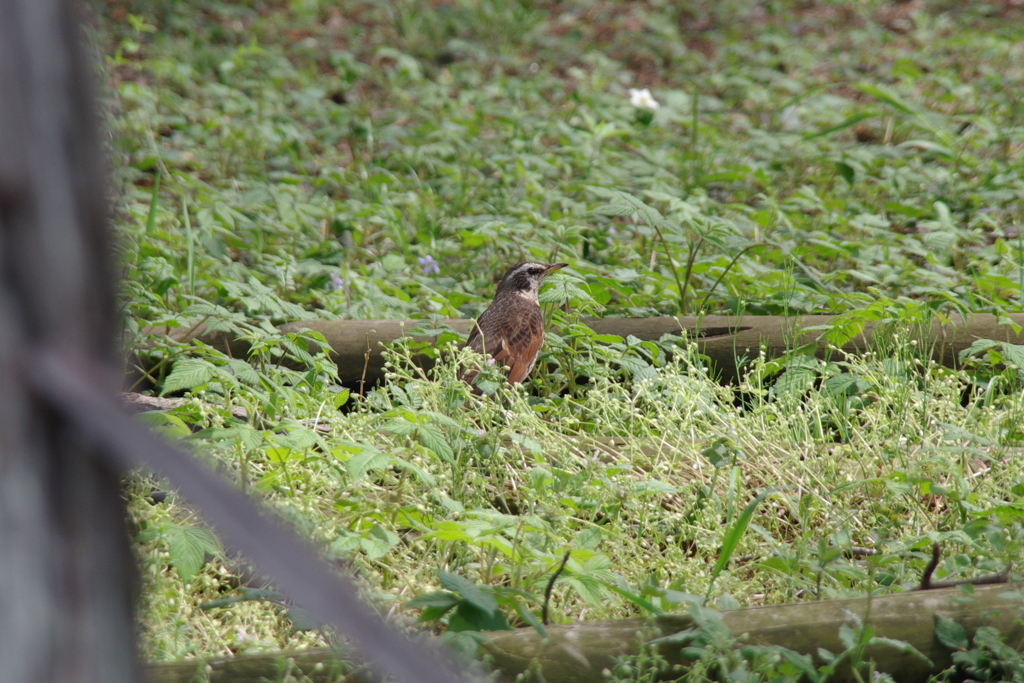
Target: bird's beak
[[553, 267]]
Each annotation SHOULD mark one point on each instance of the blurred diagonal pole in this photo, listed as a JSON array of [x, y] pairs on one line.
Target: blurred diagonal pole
[[66, 573], [274, 550]]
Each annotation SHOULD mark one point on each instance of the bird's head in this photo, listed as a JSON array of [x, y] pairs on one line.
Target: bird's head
[[525, 278]]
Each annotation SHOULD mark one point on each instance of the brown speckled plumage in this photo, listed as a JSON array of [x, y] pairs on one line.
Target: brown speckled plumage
[[511, 330]]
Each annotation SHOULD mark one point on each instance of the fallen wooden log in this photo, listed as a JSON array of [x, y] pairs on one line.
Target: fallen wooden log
[[318, 666], [579, 653], [729, 342]]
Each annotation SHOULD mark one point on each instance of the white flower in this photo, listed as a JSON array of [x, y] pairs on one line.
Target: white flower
[[642, 99]]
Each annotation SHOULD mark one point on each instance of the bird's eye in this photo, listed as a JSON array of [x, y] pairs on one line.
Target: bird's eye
[[536, 271]]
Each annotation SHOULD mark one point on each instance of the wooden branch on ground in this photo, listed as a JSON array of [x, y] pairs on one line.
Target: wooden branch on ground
[[578, 653], [728, 341], [139, 403]]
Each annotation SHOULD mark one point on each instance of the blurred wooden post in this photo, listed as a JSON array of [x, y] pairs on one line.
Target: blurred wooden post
[[66, 571]]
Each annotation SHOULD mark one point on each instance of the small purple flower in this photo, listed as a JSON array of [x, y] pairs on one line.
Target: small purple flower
[[336, 282], [428, 265]]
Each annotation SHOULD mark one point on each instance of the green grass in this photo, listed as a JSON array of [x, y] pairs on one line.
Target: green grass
[[280, 161]]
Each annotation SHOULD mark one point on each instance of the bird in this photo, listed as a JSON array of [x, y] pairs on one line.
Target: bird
[[511, 329]]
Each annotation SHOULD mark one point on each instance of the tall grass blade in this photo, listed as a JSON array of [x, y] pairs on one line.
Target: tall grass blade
[[734, 534], [640, 602]]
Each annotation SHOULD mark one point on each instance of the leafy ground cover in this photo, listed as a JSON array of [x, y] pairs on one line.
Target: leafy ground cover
[[283, 161]]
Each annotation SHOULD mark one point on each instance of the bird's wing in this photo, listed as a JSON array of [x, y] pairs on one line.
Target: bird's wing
[[520, 344], [514, 344]]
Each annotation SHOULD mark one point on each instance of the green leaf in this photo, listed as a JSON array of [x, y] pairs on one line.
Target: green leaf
[[720, 453], [801, 371], [528, 444], [450, 531], [279, 454], [802, 663], [562, 288], [950, 633], [370, 460], [847, 172], [344, 546], [434, 599], [378, 542], [433, 439], [244, 372], [443, 420], [638, 368], [888, 97], [399, 427], [616, 209], [592, 589], [1014, 354], [341, 398], [726, 601], [848, 636], [188, 547], [977, 347], [900, 645], [421, 473], [530, 618], [249, 437], [469, 591], [589, 539], [645, 605], [469, 617], [486, 386], [1011, 354], [188, 373], [844, 384]]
